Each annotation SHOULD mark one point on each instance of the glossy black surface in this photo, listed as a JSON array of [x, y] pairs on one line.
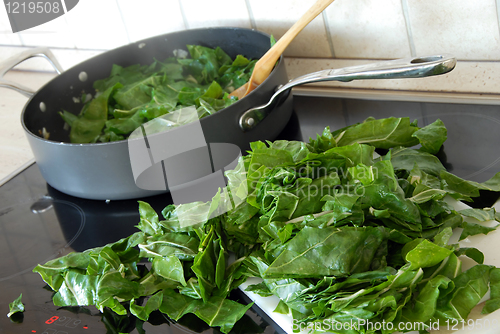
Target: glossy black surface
[[38, 223]]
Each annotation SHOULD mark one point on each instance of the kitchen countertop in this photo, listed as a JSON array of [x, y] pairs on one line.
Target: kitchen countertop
[[15, 151]]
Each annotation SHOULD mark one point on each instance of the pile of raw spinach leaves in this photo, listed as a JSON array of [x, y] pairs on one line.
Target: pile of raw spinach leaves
[[136, 94], [337, 234]]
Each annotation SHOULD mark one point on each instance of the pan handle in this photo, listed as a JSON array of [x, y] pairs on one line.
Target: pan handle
[[11, 62], [393, 69]]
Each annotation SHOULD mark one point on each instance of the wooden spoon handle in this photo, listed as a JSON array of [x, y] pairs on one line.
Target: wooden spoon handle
[[266, 64]]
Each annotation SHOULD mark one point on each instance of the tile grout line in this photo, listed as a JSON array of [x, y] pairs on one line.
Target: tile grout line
[[250, 15], [123, 21], [328, 33], [183, 14], [406, 15]]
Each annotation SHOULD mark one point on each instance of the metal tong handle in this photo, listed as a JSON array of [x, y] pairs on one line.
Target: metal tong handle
[[11, 62], [393, 69]]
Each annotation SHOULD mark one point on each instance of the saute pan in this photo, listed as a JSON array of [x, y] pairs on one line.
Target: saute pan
[[103, 170]]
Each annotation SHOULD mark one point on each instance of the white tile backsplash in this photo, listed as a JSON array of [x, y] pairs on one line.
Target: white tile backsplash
[[216, 13], [55, 33], [277, 16], [6, 35], [467, 29], [380, 29], [98, 24], [347, 30], [368, 29], [143, 22]]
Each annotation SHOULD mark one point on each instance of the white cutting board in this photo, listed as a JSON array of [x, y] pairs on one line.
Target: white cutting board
[[488, 244]]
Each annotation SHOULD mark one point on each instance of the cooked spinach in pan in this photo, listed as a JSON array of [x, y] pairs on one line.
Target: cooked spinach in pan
[[136, 94]]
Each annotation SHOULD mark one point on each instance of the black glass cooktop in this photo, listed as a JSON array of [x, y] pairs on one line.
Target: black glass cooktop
[[39, 223]]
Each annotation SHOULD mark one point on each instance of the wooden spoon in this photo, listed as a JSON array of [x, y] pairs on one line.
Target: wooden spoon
[[266, 64]]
